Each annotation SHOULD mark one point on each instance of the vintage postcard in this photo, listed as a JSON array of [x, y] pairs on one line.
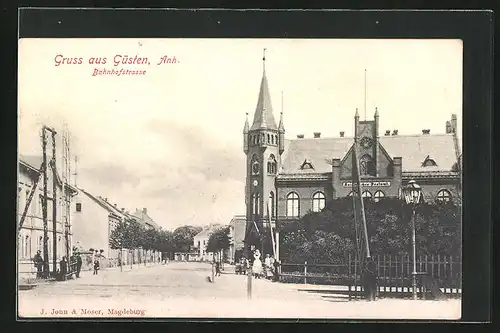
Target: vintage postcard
[[240, 178]]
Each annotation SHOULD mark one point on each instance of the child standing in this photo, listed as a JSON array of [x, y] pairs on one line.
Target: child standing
[[96, 266]]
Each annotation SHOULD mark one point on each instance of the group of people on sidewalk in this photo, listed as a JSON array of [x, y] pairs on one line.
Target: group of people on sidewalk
[[270, 269], [74, 266]]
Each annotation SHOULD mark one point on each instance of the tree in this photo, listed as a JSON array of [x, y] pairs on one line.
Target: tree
[[183, 237], [219, 240], [118, 239], [328, 235]]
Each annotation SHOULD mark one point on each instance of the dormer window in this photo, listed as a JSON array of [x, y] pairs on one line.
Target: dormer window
[[428, 162], [306, 165]]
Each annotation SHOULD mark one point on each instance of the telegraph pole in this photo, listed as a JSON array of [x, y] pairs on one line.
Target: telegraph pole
[[44, 208], [54, 204]]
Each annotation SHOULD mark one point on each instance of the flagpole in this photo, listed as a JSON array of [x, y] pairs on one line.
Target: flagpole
[[365, 93], [358, 179]]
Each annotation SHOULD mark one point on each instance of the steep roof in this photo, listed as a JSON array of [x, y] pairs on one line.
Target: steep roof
[[140, 214], [101, 202], [412, 148], [34, 162], [208, 230], [264, 118]]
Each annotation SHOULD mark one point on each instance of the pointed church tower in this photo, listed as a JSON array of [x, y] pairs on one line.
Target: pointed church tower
[[263, 149]]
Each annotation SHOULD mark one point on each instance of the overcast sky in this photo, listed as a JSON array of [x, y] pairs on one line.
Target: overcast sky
[[171, 140]]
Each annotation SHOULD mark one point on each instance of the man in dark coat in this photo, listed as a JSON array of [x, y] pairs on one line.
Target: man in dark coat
[[63, 268], [38, 261], [78, 264], [276, 275], [370, 280]]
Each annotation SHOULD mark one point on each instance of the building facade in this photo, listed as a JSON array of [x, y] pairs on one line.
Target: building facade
[[287, 178], [31, 234]]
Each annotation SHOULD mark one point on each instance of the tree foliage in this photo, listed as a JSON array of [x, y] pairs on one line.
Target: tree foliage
[[327, 236], [219, 240], [183, 237]]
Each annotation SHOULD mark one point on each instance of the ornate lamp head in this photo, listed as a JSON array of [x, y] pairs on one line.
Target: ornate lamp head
[[412, 192]]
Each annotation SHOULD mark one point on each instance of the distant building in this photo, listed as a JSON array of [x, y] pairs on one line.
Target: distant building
[[200, 242], [142, 215], [30, 238]]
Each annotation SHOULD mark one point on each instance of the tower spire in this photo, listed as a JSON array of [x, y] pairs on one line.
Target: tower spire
[[264, 61], [281, 126], [263, 118], [247, 126]]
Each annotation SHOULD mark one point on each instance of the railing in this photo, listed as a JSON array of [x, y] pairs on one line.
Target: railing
[[394, 274]]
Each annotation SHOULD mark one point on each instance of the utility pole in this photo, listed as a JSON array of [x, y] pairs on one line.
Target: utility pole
[[44, 208], [54, 204]]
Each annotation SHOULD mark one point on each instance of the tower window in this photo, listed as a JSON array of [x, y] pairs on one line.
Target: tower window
[[443, 196], [318, 201], [378, 195], [292, 205], [268, 139], [271, 165], [256, 203], [366, 166]]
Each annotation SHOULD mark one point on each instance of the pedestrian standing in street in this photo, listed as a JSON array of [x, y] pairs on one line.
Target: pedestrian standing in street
[[96, 266], [370, 280], [276, 270], [78, 264], [38, 261], [63, 268], [257, 264], [217, 268]]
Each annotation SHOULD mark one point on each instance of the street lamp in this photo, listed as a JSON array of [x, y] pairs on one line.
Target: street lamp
[[413, 193]]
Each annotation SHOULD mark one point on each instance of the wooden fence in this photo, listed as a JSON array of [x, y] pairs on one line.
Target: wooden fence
[[394, 274]]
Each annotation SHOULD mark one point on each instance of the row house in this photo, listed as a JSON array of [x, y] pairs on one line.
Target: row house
[[30, 237]]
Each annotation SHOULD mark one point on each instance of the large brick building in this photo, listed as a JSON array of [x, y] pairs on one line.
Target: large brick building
[[293, 177]]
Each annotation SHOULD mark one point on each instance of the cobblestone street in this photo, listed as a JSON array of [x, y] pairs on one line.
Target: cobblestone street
[[182, 290]]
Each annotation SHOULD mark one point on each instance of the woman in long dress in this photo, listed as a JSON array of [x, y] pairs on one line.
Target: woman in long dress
[[257, 264]]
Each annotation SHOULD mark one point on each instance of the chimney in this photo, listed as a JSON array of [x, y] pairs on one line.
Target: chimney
[[426, 131], [106, 199], [387, 133], [114, 205], [145, 210], [342, 134], [123, 210], [448, 127], [300, 136], [317, 135], [395, 132]]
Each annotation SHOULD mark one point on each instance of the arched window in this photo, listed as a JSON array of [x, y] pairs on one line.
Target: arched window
[[366, 166], [292, 205], [271, 165], [429, 162], [443, 196], [271, 204], [268, 139], [318, 201], [256, 203], [378, 195], [366, 194]]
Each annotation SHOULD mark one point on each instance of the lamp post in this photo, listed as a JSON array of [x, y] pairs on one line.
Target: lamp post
[[413, 193]]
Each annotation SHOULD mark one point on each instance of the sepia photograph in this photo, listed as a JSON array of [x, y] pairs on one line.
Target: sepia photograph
[[239, 178]]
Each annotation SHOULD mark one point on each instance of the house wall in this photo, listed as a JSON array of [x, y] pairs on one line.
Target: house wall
[[91, 225], [30, 237]]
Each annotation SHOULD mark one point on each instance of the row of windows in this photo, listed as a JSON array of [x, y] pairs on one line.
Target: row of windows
[[272, 139], [25, 246], [318, 200]]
